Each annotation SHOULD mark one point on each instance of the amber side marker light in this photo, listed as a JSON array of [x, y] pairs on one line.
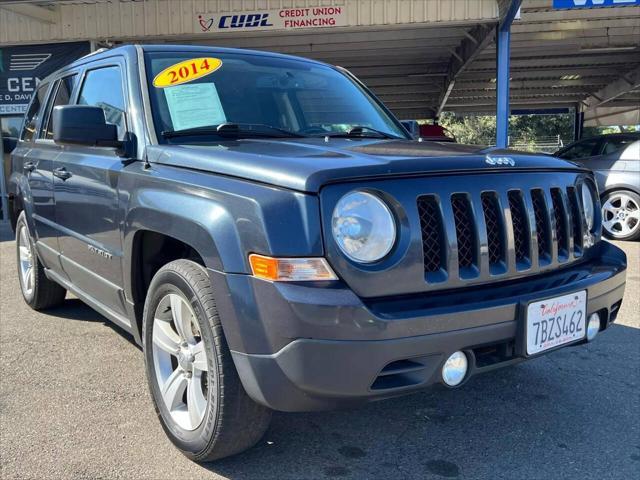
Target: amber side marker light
[[290, 269]]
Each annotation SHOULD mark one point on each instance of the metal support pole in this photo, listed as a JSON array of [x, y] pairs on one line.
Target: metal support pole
[[578, 123], [508, 12], [502, 86]]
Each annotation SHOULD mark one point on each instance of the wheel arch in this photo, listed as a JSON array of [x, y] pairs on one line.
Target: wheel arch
[[620, 186], [19, 196], [155, 237]]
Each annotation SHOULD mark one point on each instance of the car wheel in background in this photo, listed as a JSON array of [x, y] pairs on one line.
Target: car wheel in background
[[196, 390], [621, 215], [38, 291]]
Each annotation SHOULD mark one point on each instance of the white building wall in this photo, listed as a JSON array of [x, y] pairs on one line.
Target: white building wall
[[167, 19]]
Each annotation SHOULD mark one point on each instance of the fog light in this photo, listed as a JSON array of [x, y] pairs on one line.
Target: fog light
[[593, 327], [455, 369]]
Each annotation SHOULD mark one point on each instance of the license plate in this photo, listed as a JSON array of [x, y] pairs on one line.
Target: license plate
[[556, 321]]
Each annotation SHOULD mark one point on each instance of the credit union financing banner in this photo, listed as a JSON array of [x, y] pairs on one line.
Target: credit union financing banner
[[593, 3], [281, 19], [22, 67]]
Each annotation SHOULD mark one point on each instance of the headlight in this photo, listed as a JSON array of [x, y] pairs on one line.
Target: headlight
[[363, 227], [588, 206]]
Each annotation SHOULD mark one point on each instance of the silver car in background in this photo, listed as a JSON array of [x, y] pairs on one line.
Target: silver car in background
[[615, 159]]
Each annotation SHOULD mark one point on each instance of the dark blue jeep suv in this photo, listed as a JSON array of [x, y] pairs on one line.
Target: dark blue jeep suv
[[275, 240]]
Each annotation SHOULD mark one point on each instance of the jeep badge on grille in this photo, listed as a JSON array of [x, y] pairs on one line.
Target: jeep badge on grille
[[500, 160]]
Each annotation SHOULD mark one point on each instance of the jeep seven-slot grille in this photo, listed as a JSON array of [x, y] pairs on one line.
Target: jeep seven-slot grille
[[525, 230]]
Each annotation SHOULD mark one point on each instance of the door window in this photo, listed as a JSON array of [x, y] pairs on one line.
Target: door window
[[103, 88], [31, 119], [580, 150], [63, 89], [614, 144]]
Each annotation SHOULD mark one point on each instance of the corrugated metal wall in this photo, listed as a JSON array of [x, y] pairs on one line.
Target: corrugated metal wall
[[127, 20]]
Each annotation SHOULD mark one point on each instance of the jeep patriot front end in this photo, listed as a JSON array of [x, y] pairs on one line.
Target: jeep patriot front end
[[275, 240]]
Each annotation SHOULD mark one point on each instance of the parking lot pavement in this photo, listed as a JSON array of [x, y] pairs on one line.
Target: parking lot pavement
[[74, 404]]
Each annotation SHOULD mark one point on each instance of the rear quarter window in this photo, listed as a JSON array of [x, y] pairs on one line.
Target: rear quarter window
[[34, 112], [63, 90]]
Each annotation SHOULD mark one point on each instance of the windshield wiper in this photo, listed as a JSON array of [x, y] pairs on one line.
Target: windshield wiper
[[235, 130], [360, 131]]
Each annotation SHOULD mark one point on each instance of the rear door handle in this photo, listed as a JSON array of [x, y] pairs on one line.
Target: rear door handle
[[29, 166], [62, 173]]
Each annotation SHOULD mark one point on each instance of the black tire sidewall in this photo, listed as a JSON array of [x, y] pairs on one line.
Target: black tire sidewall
[[627, 238], [198, 440]]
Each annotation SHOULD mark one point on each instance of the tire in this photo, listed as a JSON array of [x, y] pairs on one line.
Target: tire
[[621, 215], [37, 290], [193, 365]]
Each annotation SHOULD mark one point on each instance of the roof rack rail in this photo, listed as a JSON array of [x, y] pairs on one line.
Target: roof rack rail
[[95, 52]]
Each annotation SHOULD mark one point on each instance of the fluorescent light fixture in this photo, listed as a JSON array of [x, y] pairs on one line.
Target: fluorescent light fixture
[[427, 75], [622, 48], [494, 80]]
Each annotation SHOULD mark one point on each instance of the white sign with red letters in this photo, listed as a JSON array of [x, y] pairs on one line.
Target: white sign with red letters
[[280, 19]]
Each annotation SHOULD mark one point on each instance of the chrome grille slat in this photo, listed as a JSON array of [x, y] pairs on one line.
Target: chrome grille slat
[[521, 229], [533, 231], [510, 240], [484, 265], [552, 232], [451, 261]]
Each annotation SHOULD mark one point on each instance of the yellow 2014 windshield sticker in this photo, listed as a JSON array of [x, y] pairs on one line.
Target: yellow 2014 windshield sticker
[[186, 71]]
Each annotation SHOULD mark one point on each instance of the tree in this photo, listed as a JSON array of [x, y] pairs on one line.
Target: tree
[[526, 129]]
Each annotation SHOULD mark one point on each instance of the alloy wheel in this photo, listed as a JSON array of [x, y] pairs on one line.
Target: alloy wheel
[[26, 262], [620, 215], [180, 361]]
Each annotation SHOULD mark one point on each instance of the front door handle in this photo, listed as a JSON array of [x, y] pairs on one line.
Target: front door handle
[[29, 166], [62, 173]]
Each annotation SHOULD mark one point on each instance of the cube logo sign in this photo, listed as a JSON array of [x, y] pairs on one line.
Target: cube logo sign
[[564, 4]]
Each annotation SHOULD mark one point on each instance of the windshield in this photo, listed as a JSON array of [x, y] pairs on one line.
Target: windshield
[[199, 91]]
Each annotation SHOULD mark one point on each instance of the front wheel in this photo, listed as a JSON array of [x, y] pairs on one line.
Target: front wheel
[[195, 387], [621, 215]]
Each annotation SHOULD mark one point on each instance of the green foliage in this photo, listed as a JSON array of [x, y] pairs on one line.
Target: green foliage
[[593, 131], [525, 129], [471, 129], [527, 132]]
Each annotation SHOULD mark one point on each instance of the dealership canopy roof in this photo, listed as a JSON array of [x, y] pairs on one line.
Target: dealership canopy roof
[[420, 56]]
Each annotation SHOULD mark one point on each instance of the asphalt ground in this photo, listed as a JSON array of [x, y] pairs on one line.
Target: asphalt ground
[[74, 404]]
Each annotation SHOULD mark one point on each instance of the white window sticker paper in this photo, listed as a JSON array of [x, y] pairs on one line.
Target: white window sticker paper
[[194, 105]]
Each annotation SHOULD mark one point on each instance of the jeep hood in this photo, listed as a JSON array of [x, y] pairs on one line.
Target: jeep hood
[[308, 164]]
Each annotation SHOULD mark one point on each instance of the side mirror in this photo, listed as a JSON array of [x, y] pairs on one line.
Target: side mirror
[[9, 144], [84, 125]]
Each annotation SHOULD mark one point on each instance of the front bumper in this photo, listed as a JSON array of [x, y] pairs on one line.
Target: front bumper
[[311, 347]]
